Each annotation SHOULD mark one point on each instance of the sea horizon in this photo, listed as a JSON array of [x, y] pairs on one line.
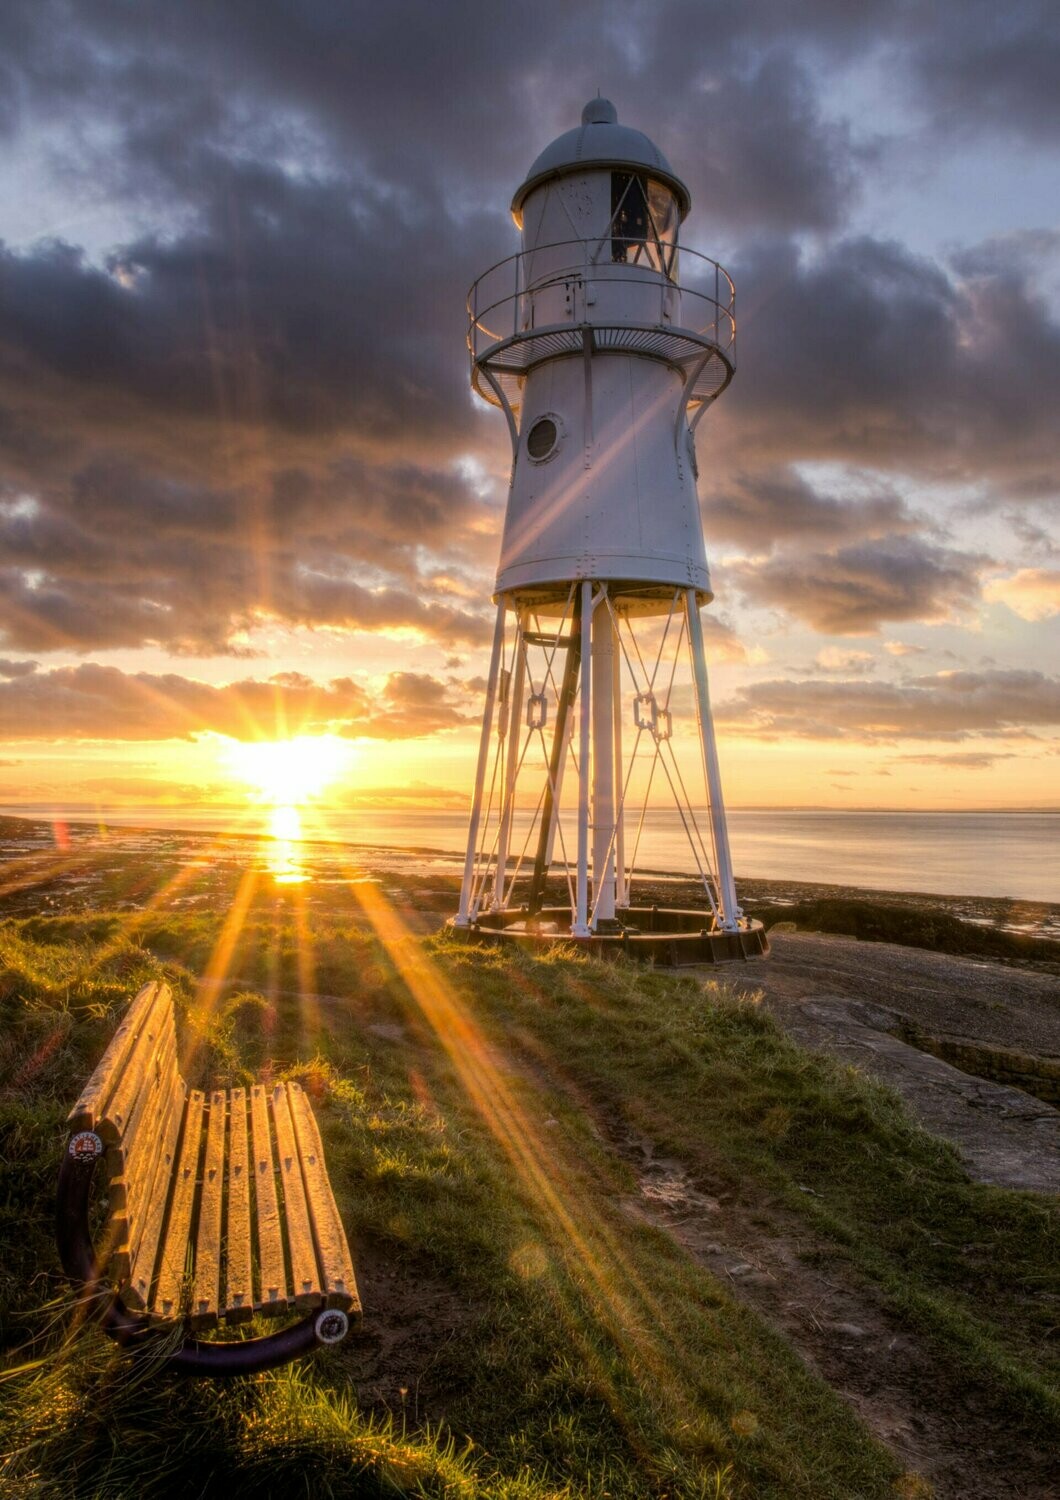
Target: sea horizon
[[1000, 853]]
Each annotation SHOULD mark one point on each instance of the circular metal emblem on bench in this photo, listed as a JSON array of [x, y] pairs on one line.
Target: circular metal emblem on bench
[[85, 1146], [332, 1326]]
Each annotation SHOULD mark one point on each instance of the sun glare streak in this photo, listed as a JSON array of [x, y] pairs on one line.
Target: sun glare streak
[[634, 1318], [215, 975]]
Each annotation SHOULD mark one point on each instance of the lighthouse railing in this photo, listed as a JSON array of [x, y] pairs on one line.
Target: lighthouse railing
[[565, 285]]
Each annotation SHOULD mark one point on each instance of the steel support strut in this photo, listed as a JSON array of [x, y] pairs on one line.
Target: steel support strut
[[463, 915], [604, 735], [511, 764], [568, 691], [730, 912], [580, 925]]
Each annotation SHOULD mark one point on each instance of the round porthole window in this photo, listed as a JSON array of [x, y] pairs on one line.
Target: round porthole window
[[542, 438]]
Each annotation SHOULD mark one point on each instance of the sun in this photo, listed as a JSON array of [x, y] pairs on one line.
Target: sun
[[288, 773]]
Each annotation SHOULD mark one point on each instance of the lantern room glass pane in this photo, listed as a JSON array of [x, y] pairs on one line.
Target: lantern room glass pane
[[629, 217], [662, 205], [644, 223]]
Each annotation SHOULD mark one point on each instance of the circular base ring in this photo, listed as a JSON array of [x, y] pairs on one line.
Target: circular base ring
[[649, 934]]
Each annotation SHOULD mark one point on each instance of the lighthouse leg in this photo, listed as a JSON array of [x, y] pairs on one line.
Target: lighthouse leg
[[621, 895], [728, 909], [580, 927], [515, 726], [603, 766], [557, 761], [463, 917]]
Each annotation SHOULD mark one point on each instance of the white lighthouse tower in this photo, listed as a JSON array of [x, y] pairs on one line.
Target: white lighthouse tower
[[603, 359]]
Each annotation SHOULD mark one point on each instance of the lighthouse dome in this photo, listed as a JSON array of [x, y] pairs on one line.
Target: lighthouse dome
[[600, 141]]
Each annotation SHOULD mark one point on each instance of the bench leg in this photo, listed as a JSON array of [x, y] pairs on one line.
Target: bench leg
[[99, 1300]]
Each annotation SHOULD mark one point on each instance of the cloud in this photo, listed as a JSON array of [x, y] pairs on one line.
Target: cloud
[[958, 760], [834, 659], [244, 402], [943, 706], [10, 668], [903, 648], [759, 509], [865, 353], [149, 789], [98, 702], [126, 557], [1031, 593], [857, 589], [721, 641], [1037, 540], [407, 794], [990, 69]]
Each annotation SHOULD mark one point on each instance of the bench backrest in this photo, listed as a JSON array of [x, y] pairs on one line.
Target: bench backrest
[[134, 1102]]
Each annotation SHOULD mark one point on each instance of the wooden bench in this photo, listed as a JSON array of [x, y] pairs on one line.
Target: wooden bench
[[218, 1209]]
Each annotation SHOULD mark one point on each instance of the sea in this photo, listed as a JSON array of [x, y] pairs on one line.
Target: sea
[[1014, 855]]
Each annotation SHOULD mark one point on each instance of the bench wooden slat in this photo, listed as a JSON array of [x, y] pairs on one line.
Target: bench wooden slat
[[166, 1301], [141, 1171], [239, 1278], [126, 1192], [113, 1124], [273, 1298], [137, 1293], [305, 1273], [333, 1252], [206, 1296], [132, 1157], [88, 1110]]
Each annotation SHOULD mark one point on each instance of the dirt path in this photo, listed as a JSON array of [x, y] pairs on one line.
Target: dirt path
[[903, 1392]]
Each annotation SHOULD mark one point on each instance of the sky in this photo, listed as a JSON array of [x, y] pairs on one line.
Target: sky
[[246, 492]]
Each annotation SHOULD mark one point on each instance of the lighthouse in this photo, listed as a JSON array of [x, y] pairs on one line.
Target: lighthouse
[[603, 342]]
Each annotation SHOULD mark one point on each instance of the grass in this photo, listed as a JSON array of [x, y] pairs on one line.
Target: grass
[[468, 1100]]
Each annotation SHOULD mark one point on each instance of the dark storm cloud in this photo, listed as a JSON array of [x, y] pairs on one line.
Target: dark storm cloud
[[758, 510], [123, 555], [196, 614], [416, 93], [251, 412], [868, 354], [855, 590], [302, 306], [990, 66], [98, 702], [946, 706]]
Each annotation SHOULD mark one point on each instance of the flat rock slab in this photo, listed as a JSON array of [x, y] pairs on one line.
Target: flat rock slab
[[995, 1003], [844, 997], [1004, 1136]]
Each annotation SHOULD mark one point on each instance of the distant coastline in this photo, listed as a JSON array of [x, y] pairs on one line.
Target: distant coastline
[[434, 867]]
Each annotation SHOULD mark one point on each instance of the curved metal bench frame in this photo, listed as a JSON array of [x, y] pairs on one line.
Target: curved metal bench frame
[[101, 1303]]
